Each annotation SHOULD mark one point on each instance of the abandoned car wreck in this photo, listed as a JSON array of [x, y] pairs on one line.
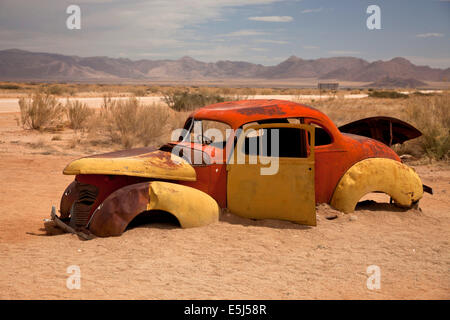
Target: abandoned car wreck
[[260, 159]]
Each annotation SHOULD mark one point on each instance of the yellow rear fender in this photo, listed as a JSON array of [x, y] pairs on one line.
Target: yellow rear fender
[[192, 207], [394, 178]]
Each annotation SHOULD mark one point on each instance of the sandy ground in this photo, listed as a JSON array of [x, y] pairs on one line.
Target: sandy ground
[[235, 258]]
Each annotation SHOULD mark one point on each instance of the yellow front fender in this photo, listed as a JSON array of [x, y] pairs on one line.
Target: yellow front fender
[[192, 207], [377, 175]]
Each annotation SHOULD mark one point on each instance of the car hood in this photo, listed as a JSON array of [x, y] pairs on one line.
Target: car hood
[[141, 162]]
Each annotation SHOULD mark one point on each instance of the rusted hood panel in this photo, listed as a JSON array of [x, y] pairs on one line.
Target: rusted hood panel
[[388, 130], [143, 162]]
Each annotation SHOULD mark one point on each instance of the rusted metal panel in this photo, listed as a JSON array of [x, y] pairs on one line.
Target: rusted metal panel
[[156, 164], [69, 196], [334, 159], [190, 206], [125, 153], [388, 130], [55, 220], [427, 189], [83, 205], [237, 113], [115, 213]]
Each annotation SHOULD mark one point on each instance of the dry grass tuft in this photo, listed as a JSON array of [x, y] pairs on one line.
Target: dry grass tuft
[[39, 111], [77, 113], [129, 123], [387, 94], [56, 138], [431, 115], [187, 101]]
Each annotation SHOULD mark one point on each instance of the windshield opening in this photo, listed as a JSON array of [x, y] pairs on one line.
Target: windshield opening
[[208, 132]]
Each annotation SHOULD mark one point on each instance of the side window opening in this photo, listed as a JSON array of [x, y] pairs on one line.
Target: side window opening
[[292, 143]]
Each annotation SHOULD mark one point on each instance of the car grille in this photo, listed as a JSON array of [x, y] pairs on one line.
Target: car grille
[[81, 208]]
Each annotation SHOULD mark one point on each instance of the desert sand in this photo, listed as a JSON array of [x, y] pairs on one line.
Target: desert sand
[[235, 258]]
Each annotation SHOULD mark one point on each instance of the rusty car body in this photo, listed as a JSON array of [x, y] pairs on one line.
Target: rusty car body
[[317, 163]]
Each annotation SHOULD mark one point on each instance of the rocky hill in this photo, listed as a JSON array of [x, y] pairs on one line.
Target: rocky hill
[[25, 65]]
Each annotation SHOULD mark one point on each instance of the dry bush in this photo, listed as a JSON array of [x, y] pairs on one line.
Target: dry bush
[[56, 138], [387, 94], [153, 124], [40, 111], [10, 86], [130, 123], [431, 115], [74, 142], [186, 101], [139, 92], [56, 89], [77, 113]]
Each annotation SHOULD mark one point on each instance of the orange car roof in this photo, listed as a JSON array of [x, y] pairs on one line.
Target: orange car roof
[[237, 113]]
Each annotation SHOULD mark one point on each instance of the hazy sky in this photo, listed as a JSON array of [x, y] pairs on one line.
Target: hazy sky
[[260, 31]]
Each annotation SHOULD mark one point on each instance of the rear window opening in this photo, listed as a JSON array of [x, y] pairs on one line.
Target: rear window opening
[[322, 138], [154, 219]]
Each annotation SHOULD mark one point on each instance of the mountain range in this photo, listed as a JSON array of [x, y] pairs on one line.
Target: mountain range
[[18, 64]]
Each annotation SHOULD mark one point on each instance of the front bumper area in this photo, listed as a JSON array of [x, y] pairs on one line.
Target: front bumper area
[[56, 221]]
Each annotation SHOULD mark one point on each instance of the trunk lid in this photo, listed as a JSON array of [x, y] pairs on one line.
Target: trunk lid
[[388, 130]]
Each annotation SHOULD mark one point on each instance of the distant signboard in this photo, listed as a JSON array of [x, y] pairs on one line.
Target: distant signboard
[[328, 86]]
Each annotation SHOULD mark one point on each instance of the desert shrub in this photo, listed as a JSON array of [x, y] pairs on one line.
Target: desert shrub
[[387, 94], [139, 92], [186, 101], [130, 123], [55, 90], [421, 94], [56, 138], [152, 124], [153, 89], [9, 86], [39, 111], [77, 113], [431, 115]]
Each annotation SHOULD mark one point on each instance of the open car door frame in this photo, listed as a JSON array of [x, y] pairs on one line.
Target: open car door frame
[[288, 194]]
